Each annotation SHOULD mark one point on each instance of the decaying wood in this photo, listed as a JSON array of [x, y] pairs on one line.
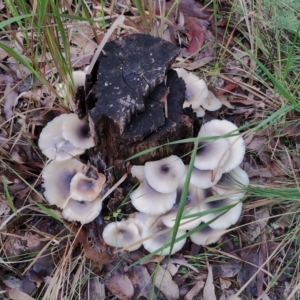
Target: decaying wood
[[135, 102]]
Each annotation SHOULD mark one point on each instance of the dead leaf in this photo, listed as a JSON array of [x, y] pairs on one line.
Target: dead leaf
[[226, 270], [195, 290], [193, 65], [209, 288], [171, 268], [224, 283], [141, 281], [120, 285], [16, 294], [183, 262], [95, 289], [10, 100], [164, 282], [234, 297]]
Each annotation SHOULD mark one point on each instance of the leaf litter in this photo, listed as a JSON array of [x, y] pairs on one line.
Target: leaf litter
[[178, 279]]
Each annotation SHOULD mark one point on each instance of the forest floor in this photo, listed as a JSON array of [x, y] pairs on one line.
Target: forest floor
[[248, 52]]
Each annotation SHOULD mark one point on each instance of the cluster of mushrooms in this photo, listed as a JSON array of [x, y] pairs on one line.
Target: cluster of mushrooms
[[68, 183], [216, 187], [217, 183], [197, 94]]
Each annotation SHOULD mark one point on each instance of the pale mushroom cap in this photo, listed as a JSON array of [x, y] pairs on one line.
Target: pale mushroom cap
[[200, 112], [211, 154], [185, 224], [51, 136], [164, 175], [228, 218], [236, 143], [57, 176], [233, 184], [122, 234], [154, 225], [138, 172], [196, 89], [147, 200], [204, 179], [206, 236], [83, 188], [57, 143], [82, 211], [139, 219], [211, 102], [79, 78], [194, 197], [77, 132]]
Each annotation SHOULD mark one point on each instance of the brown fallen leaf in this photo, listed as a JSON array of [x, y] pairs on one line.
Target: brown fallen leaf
[[195, 33], [120, 285], [194, 65], [142, 282], [195, 290], [164, 281], [15, 294], [95, 289], [209, 288]]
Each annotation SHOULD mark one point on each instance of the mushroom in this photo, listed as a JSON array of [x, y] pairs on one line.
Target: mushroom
[[196, 89], [121, 234], [194, 196], [147, 200], [84, 188], [138, 172], [82, 211], [204, 179], [233, 184], [206, 236], [164, 175], [211, 153], [211, 102], [236, 143], [156, 240], [65, 136], [226, 217], [200, 112], [57, 176]]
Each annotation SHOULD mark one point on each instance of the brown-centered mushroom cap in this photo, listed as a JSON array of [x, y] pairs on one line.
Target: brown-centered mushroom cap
[[57, 176], [164, 175], [236, 142], [211, 153], [84, 188]]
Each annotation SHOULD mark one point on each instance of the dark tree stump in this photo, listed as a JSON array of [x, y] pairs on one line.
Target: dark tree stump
[[136, 103]]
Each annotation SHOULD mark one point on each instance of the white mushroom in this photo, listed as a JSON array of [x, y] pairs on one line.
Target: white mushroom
[[65, 136], [138, 172], [204, 179], [211, 153], [84, 188], [206, 236], [154, 226], [227, 215], [194, 197], [233, 184], [196, 89], [57, 176], [121, 234], [147, 200], [236, 142], [211, 102], [81, 211], [164, 175]]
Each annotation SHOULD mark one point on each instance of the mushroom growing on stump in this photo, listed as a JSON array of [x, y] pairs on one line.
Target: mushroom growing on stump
[[136, 103], [65, 136]]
